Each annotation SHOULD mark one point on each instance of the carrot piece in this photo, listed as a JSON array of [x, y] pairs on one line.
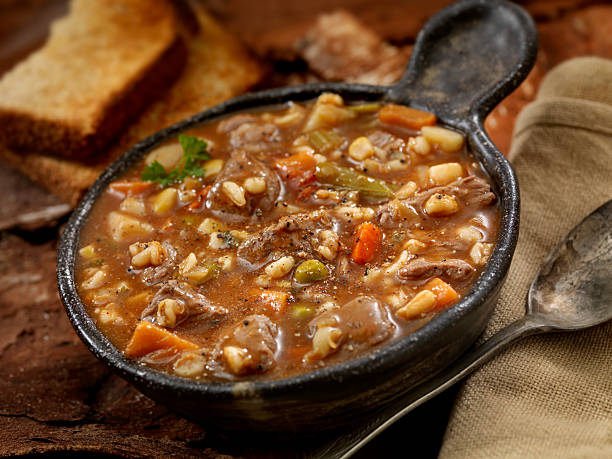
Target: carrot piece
[[128, 188], [198, 202], [406, 117], [367, 239], [297, 169], [274, 300], [149, 337], [444, 293]]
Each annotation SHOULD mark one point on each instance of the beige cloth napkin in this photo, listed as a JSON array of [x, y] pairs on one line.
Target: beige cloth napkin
[[548, 395]]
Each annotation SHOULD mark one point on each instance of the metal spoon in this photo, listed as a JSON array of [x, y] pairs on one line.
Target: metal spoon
[[572, 291]]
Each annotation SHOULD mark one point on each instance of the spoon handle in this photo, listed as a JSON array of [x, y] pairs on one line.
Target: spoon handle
[[351, 440]]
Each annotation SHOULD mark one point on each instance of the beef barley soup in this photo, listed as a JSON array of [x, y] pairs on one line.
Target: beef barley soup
[[276, 242]]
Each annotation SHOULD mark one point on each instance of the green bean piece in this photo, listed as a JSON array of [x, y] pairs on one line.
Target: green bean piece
[[345, 177], [324, 140], [310, 271]]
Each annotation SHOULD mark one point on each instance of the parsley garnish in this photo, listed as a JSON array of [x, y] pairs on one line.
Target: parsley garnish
[[155, 172], [194, 151]]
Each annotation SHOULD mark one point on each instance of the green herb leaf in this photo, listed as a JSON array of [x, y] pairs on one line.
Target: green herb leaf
[[194, 148], [323, 139], [154, 172], [194, 151]]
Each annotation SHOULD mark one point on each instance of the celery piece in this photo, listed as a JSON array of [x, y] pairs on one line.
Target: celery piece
[[301, 312], [345, 177], [365, 108], [189, 220], [202, 273], [324, 140]]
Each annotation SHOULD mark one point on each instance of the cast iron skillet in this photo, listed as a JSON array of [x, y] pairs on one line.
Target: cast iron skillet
[[466, 59]]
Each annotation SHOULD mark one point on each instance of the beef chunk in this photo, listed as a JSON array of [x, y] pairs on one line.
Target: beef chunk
[[194, 302], [387, 142], [292, 235], [475, 192], [257, 334], [397, 211], [248, 133], [364, 322], [419, 268], [254, 137], [229, 124], [469, 191], [156, 274], [240, 166], [381, 138]]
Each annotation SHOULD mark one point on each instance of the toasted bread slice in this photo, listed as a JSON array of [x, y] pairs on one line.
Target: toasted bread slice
[[218, 67], [102, 64]]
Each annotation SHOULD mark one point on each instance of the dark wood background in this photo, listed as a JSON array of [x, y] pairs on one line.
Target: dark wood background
[[55, 397]]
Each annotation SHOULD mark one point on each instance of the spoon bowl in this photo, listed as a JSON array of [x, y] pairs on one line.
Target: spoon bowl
[[573, 289]]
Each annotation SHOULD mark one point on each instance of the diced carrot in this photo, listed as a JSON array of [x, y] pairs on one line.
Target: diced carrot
[[275, 301], [149, 337], [367, 239], [127, 188], [406, 117], [444, 293], [297, 169], [198, 202]]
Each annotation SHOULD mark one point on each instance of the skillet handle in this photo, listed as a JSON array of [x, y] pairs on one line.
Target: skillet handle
[[467, 58]]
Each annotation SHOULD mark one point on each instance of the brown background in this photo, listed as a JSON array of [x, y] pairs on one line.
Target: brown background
[[54, 395]]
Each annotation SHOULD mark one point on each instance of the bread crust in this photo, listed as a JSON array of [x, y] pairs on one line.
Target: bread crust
[[101, 66]]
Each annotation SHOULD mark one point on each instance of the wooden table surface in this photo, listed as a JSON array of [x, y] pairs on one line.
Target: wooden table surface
[[55, 397]]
